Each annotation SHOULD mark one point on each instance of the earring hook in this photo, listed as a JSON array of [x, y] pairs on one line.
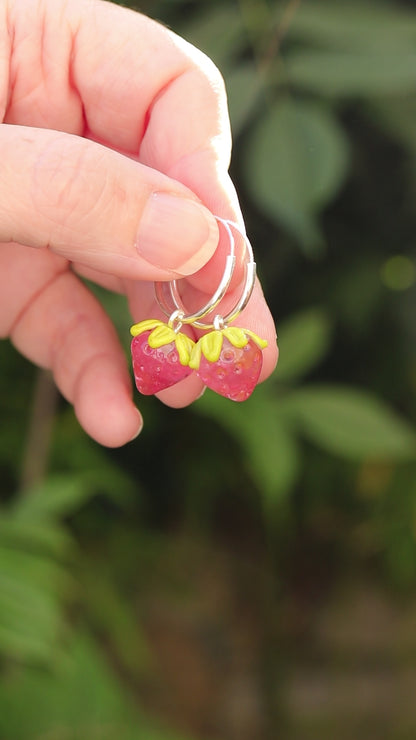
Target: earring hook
[[215, 299]]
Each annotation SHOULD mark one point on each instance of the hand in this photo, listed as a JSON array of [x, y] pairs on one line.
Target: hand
[[117, 133]]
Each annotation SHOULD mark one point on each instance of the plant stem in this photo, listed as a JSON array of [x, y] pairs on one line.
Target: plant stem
[[254, 16], [279, 33], [39, 433]]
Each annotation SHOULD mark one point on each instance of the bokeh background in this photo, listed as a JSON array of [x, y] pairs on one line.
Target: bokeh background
[[246, 572]]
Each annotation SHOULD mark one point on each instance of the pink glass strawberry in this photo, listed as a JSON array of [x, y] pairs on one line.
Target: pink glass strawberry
[[160, 356], [229, 361]]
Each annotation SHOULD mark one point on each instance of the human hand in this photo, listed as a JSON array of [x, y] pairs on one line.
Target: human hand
[[117, 132]]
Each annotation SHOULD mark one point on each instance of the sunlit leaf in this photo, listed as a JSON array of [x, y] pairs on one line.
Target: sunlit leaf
[[295, 162], [303, 342], [350, 423]]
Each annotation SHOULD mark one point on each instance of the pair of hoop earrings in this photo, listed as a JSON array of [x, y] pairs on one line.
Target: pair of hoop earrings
[[227, 359]]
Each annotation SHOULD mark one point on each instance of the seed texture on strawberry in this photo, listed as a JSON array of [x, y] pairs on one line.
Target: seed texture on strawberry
[[160, 356], [229, 361]]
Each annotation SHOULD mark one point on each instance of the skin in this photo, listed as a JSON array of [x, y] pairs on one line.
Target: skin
[[104, 109]]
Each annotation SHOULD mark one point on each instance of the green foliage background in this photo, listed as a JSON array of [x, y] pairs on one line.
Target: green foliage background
[[250, 528]]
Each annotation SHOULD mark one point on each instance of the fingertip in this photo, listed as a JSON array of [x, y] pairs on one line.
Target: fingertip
[[104, 407], [139, 425]]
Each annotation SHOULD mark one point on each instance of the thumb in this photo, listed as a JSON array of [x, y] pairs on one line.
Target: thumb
[[99, 208]]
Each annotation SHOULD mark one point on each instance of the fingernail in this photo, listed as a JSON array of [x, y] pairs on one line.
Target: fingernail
[[201, 394], [176, 234], [140, 427]]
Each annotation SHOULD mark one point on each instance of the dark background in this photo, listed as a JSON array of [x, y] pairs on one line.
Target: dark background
[[244, 572]]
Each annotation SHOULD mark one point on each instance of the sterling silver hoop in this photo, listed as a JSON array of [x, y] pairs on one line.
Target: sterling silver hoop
[[177, 312]]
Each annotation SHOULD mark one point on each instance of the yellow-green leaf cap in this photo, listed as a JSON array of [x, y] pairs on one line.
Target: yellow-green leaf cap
[[162, 334], [210, 345]]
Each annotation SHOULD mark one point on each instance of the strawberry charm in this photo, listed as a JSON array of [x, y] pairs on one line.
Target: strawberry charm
[[160, 356], [229, 361]]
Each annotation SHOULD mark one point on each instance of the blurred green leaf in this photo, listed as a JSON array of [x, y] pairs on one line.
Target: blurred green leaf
[[30, 605], [400, 556], [81, 700], [35, 569], [394, 523], [270, 450], [115, 618], [345, 74], [57, 496], [15, 393], [22, 642], [303, 341], [397, 116], [35, 536], [357, 291], [353, 24], [350, 423], [244, 87], [295, 162], [63, 494]]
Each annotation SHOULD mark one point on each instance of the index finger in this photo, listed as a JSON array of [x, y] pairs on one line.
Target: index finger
[[150, 93]]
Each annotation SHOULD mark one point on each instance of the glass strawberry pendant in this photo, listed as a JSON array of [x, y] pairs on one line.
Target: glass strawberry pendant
[[229, 361], [160, 356]]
